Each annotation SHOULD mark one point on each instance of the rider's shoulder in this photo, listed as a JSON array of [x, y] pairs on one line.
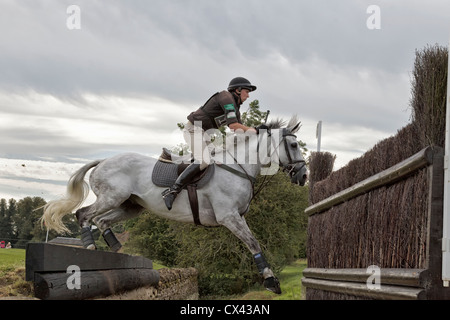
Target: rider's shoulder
[[225, 96]]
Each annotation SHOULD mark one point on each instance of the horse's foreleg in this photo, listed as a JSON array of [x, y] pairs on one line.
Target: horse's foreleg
[[270, 281], [238, 226]]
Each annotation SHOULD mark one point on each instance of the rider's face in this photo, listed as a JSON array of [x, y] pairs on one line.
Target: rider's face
[[245, 94]]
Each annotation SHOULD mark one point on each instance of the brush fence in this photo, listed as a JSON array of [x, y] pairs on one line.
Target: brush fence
[[380, 238]]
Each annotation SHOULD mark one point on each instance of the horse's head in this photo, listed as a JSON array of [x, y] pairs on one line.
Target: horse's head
[[290, 156]]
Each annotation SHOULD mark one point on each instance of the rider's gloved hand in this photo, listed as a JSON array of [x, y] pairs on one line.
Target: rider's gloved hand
[[261, 126]]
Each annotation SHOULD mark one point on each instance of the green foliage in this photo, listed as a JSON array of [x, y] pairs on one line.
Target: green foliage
[[253, 117], [6, 222], [152, 237], [27, 218], [277, 216]]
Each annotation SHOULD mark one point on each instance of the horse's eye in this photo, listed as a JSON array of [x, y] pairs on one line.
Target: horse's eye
[[294, 144]]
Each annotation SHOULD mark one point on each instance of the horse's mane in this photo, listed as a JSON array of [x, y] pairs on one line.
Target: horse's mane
[[279, 123]]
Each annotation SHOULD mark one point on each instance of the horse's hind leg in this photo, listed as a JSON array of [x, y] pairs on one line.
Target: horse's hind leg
[[86, 214], [127, 210], [86, 235]]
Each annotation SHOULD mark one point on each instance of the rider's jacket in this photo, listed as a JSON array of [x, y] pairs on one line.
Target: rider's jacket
[[221, 109]]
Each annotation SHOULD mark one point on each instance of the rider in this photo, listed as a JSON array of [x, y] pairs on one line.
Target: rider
[[221, 109]]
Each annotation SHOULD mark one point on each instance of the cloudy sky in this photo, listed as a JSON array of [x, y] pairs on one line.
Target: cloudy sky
[[115, 76]]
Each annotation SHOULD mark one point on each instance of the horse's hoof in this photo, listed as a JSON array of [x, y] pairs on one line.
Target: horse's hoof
[[272, 284], [91, 247]]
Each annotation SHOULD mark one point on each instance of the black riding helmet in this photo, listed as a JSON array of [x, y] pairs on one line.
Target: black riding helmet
[[240, 82]]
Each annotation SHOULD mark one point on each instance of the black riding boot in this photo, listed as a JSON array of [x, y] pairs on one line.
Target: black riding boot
[[185, 177]]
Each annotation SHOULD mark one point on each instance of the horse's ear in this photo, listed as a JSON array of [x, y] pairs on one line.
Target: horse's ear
[[295, 128]]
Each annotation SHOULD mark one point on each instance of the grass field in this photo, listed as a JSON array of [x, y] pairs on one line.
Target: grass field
[[291, 287], [12, 283], [12, 273], [12, 258]]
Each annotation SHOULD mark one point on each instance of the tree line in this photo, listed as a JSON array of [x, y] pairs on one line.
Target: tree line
[[19, 221]]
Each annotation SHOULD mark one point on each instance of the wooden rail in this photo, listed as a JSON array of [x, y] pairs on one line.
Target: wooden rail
[[386, 292], [404, 277], [404, 284], [388, 176], [100, 273]]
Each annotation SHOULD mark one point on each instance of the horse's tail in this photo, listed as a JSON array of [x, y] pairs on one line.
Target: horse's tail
[[77, 192]]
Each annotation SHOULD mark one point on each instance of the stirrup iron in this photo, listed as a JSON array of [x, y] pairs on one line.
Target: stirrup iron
[[169, 196]]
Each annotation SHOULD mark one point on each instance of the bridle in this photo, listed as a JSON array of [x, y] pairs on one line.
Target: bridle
[[290, 166]]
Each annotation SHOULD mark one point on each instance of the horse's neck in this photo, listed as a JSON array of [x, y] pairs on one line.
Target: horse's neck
[[245, 155]]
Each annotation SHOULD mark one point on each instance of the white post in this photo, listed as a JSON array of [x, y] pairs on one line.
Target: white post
[[446, 218], [319, 135]]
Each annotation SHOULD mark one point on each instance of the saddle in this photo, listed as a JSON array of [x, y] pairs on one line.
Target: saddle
[[166, 172]]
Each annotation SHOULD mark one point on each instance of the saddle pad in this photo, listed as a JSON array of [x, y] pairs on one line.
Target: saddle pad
[[166, 173]]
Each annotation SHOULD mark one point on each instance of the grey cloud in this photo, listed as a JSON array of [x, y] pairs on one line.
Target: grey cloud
[[169, 49], [184, 51]]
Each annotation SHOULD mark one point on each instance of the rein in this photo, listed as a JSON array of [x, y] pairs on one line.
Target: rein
[[286, 168], [244, 174]]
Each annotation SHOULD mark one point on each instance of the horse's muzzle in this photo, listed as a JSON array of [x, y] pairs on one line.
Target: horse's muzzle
[[300, 176]]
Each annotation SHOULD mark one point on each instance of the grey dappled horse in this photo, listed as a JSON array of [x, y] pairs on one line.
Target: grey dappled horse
[[123, 186]]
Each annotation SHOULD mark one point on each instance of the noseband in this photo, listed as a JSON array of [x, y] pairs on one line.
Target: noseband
[[290, 166]]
